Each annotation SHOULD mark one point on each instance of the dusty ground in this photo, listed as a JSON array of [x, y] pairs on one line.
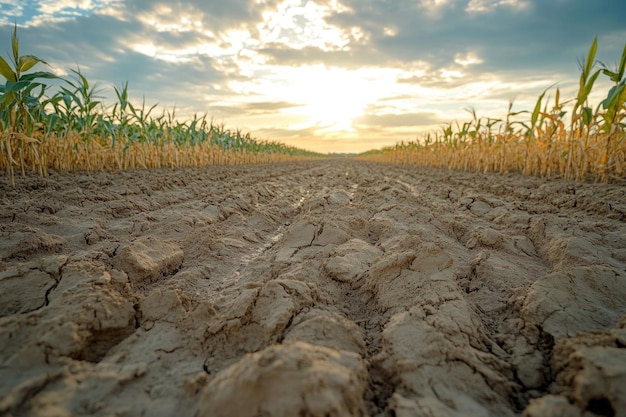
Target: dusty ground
[[331, 288]]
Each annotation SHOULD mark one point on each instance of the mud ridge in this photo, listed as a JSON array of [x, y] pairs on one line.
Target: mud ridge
[[325, 288]]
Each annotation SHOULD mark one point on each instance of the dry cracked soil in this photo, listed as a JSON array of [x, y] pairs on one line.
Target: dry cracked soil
[[326, 288]]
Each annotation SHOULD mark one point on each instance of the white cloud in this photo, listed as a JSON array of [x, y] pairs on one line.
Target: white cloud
[[434, 7], [163, 54], [390, 31], [300, 23], [166, 18], [10, 10], [482, 6], [467, 59], [36, 13], [53, 7]]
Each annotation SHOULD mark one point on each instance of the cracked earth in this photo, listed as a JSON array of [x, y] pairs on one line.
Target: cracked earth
[[327, 288]]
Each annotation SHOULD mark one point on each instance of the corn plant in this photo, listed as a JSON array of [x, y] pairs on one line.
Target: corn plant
[[591, 145], [581, 114], [73, 129], [17, 107], [613, 106]]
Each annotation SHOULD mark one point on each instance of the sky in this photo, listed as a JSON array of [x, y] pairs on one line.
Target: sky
[[323, 75]]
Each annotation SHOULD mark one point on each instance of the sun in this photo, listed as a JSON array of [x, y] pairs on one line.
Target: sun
[[331, 97], [319, 99]]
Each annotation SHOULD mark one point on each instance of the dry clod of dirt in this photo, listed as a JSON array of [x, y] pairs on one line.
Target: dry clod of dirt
[[328, 288], [147, 259], [291, 379]]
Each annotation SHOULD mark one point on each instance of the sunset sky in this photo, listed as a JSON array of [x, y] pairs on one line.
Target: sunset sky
[[324, 75]]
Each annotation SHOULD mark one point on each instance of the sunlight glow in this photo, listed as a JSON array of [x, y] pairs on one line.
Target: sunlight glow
[[448, 75], [326, 100], [334, 98], [178, 55]]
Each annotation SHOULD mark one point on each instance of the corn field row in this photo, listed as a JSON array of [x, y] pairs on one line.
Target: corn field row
[[73, 130], [591, 145]]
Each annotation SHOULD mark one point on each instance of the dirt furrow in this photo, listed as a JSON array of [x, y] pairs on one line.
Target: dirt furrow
[[325, 288]]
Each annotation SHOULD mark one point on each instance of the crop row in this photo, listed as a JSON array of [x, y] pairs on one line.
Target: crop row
[[73, 130], [590, 144]]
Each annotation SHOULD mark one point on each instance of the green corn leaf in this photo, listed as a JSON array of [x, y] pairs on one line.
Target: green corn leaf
[[621, 100], [26, 62], [613, 95], [54, 100], [612, 75], [111, 130], [52, 120], [584, 92], [69, 97], [31, 86], [83, 80], [15, 87], [621, 68], [16, 52], [122, 96], [32, 102], [591, 57], [6, 71], [7, 99], [67, 100], [38, 74], [587, 114], [589, 85], [42, 91], [611, 114], [536, 110]]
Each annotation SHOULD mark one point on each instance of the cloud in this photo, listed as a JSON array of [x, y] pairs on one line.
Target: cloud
[[486, 6], [268, 107], [505, 34], [11, 10], [397, 120], [253, 108]]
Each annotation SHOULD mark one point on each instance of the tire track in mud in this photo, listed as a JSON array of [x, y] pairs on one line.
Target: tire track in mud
[[327, 288], [491, 305]]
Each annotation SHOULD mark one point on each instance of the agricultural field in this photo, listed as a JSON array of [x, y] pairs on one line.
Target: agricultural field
[[328, 288], [152, 267], [71, 129], [570, 139]]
